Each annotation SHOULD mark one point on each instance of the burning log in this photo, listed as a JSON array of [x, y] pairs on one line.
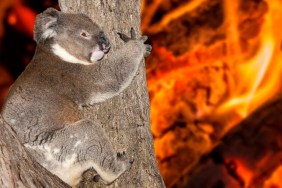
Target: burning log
[[246, 157]]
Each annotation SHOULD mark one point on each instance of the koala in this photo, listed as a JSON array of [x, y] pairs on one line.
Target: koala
[[68, 71]]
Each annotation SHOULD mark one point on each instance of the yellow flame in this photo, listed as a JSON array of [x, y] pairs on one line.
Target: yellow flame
[[254, 72], [189, 6], [275, 179], [178, 12], [231, 23], [259, 78]]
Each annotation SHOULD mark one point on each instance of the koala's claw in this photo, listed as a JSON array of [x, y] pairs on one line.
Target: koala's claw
[[143, 38], [124, 37], [121, 156], [148, 50], [132, 33], [96, 178]]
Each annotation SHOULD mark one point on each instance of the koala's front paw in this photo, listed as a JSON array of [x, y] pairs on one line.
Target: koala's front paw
[[121, 156], [125, 38], [147, 47]]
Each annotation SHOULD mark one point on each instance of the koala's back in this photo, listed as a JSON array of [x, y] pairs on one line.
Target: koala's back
[[33, 107]]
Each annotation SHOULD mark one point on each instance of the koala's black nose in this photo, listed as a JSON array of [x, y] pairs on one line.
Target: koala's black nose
[[103, 39], [104, 42]]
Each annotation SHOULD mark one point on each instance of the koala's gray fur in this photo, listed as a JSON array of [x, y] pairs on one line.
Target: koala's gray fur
[[67, 72]]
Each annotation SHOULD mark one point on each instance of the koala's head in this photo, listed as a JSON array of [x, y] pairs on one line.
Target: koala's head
[[75, 38]]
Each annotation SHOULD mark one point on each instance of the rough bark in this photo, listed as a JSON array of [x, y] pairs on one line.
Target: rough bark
[[17, 169], [125, 117]]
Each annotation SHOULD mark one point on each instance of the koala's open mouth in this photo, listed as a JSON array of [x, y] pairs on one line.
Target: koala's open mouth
[[105, 47], [96, 55], [99, 52], [102, 48]]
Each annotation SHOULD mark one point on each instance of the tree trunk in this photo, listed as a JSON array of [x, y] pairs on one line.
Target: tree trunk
[[125, 118], [17, 169]]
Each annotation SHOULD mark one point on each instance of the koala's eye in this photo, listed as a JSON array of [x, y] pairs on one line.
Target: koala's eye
[[85, 34]]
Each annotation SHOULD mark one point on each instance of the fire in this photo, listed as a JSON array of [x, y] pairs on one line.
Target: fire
[[275, 180], [258, 79], [182, 10], [227, 71], [239, 171], [22, 18]]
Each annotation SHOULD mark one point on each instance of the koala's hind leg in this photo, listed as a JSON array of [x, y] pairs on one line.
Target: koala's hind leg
[[80, 146]]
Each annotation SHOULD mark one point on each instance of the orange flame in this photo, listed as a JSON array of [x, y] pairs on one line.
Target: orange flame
[[180, 97], [259, 78], [178, 12], [242, 170], [275, 180]]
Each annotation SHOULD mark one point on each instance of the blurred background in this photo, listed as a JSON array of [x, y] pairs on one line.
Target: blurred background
[[214, 80]]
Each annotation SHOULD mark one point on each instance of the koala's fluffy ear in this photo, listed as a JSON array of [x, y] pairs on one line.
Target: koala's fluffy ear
[[45, 25]]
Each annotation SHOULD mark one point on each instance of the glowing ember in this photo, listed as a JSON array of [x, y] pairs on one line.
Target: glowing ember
[[239, 171], [12, 19]]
